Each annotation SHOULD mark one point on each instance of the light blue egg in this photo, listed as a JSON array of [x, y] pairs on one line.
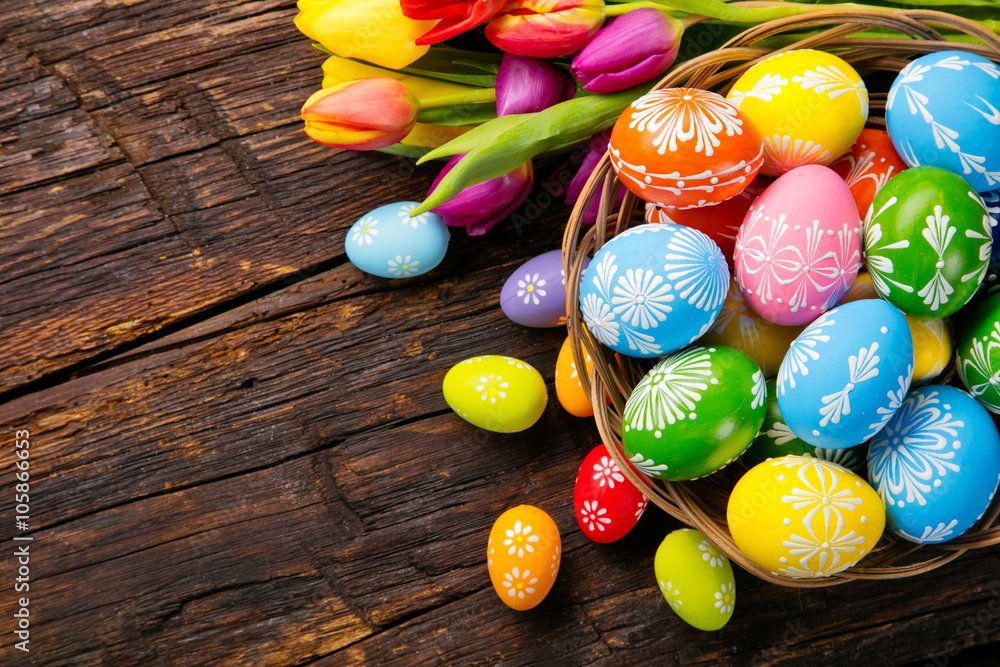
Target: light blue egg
[[846, 374], [653, 289], [387, 242], [944, 111], [936, 464]]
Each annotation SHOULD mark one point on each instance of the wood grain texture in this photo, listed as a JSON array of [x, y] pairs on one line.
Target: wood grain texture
[[240, 451]]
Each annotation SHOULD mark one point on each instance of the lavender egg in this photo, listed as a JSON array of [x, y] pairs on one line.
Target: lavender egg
[[535, 294]]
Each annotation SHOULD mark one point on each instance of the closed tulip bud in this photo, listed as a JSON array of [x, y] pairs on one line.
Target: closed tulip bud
[[545, 28], [372, 30], [455, 17], [630, 50], [362, 114], [480, 206], [528, 85]]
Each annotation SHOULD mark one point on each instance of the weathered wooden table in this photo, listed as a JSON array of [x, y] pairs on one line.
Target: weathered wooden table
[[239, 452]]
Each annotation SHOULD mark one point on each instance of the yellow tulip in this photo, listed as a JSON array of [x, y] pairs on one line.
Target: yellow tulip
[[372, 30], [337, 70]]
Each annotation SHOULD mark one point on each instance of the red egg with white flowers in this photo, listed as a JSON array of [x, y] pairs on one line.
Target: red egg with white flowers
[[606, 504], [685, 147], [869, 165], [720, 222]]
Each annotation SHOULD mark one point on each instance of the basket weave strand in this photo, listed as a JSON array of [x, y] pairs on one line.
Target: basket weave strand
[[702, 503]]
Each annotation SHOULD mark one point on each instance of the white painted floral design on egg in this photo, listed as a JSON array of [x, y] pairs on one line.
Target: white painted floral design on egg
[[519, 540]]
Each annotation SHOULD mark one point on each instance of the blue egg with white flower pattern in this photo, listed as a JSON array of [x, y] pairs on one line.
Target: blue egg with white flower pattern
[[387, 242], [936, 464], [944, 111], [846, 374], [654, 289]]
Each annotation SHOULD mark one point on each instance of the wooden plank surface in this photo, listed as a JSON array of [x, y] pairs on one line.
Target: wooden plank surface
[[240, 451]]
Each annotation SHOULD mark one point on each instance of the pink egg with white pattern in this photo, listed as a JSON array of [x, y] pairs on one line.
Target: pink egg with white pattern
[[799, 248], [607, 505]]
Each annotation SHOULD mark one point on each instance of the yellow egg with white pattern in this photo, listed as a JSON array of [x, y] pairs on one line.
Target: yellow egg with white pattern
[[804, 518], [738, 326], [809, 106]]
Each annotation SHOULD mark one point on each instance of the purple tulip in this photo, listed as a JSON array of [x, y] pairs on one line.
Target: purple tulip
[[596, 148], [630, 50], [527, 85], [480, 206]]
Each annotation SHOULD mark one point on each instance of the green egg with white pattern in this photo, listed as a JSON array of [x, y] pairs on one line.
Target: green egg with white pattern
[[696, 579], [928, 240], [693, 413], [776, 440]]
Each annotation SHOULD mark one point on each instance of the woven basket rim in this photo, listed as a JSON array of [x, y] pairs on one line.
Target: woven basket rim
[[701, 504]]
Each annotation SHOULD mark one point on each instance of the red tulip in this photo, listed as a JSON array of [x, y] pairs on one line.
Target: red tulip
[[454, 17], [545, 28]]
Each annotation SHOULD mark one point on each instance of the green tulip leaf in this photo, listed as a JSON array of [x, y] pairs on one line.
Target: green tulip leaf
[[499, 146], [459, 114], [455, 65], [404, 150]]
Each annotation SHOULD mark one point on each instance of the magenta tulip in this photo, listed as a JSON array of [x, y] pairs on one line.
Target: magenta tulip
[[631, 49], [479, 207], [527, 85]]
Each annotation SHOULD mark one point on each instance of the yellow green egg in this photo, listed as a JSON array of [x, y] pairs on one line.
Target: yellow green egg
[[809, 106], [804, 518], [696, 579], [496, 393]]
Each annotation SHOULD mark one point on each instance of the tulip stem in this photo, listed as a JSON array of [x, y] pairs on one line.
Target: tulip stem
[[477, 96], [716, 9]]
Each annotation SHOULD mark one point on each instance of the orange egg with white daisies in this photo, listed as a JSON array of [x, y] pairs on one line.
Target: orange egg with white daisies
[[685, 148], [523, 555]]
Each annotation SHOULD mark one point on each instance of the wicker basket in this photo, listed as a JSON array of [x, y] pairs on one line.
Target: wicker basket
[[702, 503]]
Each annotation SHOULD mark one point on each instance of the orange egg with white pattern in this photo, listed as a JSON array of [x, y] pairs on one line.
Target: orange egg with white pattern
[[569, 389], [523, 556], [685, 147]]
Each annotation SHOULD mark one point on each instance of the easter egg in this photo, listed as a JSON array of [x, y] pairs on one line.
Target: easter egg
[[720, 222], [869, 165], [804, 518], [776, 440], [569, 389], [535, 294], [738, 326], [387, 242], [684, 147], [653, 289], [936, 464], [693, 413], [523, 555], [943, 111], [977, 357], [696, 579], [496, 393], [809, 106], [606, 504], [846, 374], [928, 240], [932, 339], [799, 247]]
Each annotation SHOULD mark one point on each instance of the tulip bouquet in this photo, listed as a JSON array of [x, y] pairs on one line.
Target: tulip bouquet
[[544, 77]]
